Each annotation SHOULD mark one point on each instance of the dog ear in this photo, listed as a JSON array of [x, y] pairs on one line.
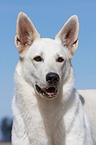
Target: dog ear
[[69, 35], [25, 33]]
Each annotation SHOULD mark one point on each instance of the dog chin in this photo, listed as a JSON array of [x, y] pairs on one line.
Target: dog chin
[[49, 92]]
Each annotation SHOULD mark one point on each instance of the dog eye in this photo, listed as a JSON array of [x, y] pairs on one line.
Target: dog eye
[[60, 59], [38, 58]]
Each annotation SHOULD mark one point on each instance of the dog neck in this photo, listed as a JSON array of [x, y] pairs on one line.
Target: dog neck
[[52, 111]]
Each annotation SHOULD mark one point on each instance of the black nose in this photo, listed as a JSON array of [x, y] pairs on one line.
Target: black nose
[[52, 78]]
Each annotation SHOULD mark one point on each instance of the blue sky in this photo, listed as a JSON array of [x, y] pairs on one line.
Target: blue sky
[[48, 17]]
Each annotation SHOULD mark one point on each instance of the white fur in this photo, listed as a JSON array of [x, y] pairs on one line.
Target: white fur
[[43, 121]]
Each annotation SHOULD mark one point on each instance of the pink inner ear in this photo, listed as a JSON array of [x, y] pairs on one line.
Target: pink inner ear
[[70, 37], [25, 31]]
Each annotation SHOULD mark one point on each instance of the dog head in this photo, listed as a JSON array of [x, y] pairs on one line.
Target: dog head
[[46, 62]]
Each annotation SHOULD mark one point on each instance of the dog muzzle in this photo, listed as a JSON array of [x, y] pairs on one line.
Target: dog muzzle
[[52, 80]]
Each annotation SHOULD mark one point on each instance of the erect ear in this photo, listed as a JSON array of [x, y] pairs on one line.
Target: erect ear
[[25, 33], [69, 35]]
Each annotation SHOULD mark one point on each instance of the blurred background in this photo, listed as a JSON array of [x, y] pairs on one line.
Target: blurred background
[[48, 17]]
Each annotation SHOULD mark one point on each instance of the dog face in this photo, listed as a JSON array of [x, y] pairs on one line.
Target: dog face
[[46, 62]]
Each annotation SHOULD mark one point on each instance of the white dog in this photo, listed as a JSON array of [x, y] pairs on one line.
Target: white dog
[[47, 109]]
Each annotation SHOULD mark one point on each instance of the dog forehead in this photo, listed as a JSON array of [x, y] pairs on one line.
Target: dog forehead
[[47, 46]]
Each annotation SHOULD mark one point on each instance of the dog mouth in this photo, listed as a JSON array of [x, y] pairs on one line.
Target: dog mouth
[[49, 92]]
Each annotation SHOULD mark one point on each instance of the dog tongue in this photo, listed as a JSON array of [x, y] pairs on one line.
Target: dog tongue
[[50, 91]]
